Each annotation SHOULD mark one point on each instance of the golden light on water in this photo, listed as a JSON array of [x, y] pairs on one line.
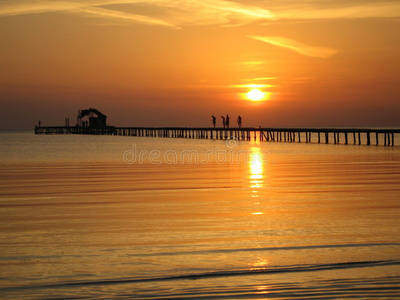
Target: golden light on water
[[260, 263], [256, 164], [256, 168], [264, 289], [256, 176], [256, 184]]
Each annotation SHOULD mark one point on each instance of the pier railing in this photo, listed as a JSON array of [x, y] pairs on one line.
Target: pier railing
[[317, 135]]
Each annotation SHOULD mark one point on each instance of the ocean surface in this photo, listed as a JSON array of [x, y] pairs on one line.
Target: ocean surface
[[112, 217]]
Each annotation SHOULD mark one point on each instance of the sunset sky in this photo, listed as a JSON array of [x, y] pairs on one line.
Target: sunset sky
[[177, 62]]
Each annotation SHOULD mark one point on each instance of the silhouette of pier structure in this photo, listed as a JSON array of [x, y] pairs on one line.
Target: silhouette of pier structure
[[355, 136], [91, 121]]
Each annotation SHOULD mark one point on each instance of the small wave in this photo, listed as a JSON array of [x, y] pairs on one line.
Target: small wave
[[246, 272], [308, 247]]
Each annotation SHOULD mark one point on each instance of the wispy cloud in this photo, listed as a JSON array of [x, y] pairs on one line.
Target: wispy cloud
[[212, 12], [207, 12], [177, 12], [260, 79], [93, 8], [107, 13], [16, 8], [251, 85], [310, 11], [296, 46]]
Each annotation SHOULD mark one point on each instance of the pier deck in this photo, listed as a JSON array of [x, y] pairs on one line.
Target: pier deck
[[308, 135]]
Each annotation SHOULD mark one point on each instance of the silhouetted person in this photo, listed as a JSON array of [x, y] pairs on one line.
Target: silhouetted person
[[223, 121], [239, 121], [214, 119], [227, 121], [40, 123]]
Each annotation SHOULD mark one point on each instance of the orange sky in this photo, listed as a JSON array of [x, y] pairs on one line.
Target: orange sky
[[176, 62]]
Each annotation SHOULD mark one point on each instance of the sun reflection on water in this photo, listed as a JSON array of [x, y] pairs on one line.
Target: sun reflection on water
[[256, 163], [259, 264], [256, 175], [263, 289], [256, 168]]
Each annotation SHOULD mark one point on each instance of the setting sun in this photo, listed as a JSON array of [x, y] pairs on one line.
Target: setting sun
[[255, 95]]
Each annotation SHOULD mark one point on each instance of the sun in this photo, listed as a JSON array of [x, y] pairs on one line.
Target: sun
[[255, 95]]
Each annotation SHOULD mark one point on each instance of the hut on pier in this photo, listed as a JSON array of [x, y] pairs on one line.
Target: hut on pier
[[95, 119]]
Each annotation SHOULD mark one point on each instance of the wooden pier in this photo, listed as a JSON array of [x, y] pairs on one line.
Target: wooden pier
[[355, 136]]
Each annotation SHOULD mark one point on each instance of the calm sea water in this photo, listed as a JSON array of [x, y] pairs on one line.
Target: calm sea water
[[108, 217]]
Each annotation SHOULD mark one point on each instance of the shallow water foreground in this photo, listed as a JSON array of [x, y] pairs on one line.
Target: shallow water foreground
[[292, 221]]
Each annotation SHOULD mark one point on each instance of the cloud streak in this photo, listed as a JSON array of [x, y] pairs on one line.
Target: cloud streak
[[113, 14], [320, 52], [92, 8], [213, 12], [177, 12], [260, 79], [366, 10], [206, 12]]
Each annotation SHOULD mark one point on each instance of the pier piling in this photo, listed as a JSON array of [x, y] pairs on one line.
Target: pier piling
[[262, 134]]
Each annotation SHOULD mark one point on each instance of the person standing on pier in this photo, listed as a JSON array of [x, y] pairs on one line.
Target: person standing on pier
[[40, 123], [214, 119], [227, 121], [223, 121], [239, 121]]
